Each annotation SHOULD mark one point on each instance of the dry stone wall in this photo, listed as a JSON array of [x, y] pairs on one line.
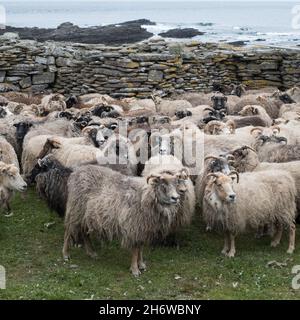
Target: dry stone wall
[[139, 69]]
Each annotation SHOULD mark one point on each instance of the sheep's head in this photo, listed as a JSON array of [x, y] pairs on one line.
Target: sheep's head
[[183, 177], [221, 163], [102, 111], [262, 141], [245, 158], [11, 178], [217, 127], [183, 114], [238, 90], [98, 134], [42, 165], [71, 102], [286, 98], [82, 121], [211, 114], [222, 186], [22, 129], [250, 110], [161, 120], [65, 114], [219, 101], [165, 188]]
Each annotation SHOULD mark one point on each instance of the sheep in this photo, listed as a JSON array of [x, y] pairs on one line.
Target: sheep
[[212, 164], [226, 205], [255, 110], [171, 165], [52, 102], [246, 160], [169, 107], [294, 93], [275, 149], [270, 104], [139, 210], [51, 179], [217, 127], [10, 180], [7, 153]]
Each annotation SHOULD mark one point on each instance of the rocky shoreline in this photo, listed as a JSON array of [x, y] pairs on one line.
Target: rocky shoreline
[[115, 34]]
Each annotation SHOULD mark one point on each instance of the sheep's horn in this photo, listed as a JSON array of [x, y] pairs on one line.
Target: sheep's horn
[[244, 147], [211, 157], [230, 156], [237, 175], [276, 127], [209, 108], [212, 175], [255, 129]]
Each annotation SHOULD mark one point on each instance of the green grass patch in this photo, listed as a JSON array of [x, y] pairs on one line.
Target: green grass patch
[[31, 254]]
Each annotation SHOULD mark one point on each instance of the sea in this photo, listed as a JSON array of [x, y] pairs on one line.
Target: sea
[[275, 23]]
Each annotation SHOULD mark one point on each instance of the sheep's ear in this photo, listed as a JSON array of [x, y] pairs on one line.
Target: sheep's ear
[[54, 143], [16, 125], [153, 179], [254, 110], [87, 130], [184, 174], [39, 162]]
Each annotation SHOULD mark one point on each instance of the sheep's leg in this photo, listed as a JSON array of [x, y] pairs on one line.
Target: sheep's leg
[[226, 244], [292, 238], [66, 246], [277, 236], [141, 263], [231, 252], [89, 247], [134, 262], [8, 209]]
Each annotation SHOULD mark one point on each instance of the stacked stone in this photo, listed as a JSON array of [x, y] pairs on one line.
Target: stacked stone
[[142, 68]]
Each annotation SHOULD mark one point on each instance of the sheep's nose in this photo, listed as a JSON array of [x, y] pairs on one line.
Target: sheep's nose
[[174, 199], [24, 187], [232, 197], [162, 151]]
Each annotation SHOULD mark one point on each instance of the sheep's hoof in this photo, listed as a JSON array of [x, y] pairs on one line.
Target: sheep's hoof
[[290, 250], [66, 258], [8, 215], [224, 252], [230, 254], [136, 272], [274, 244], [142, 266]]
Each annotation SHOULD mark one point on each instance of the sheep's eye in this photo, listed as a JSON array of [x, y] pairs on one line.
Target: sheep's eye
[[219, 185], [106, 137]]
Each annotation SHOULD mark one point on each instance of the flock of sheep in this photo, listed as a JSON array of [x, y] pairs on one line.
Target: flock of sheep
[[137, 170]]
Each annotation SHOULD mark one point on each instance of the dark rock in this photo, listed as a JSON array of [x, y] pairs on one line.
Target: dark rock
[[238, 43], [116, 34], [182, 33]]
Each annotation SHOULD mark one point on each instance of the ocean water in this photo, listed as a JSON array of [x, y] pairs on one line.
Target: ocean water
[[273, 23]]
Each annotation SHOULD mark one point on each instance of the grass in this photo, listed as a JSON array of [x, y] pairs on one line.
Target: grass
[[31, 254]]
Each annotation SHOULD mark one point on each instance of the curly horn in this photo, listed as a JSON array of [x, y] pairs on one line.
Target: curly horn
[[276, 127], [211, 157], [256, 129], [209, 108], [212, 175], [237, 175]]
